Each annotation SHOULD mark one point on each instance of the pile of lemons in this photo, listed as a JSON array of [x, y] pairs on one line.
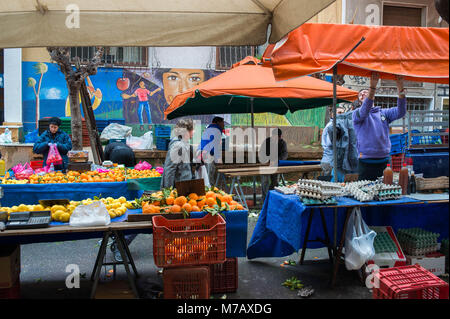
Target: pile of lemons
[[61, 213]]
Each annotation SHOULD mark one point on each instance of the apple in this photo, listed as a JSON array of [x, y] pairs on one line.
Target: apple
[[123, 83]]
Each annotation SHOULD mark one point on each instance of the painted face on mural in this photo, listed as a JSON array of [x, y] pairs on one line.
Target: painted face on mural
[[177, 81]]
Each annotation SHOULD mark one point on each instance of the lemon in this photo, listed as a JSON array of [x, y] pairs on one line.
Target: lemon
[[57, 215], [112, 213], [14, 209], [22, 208], [64, 217], [122, 199], [129, 205], [70, 208], [116, 205], [38, 208], [109, 199]]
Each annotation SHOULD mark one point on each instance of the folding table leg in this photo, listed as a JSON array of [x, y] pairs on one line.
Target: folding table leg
[[98, 260], [337, 257], [327, 238], [121, 245], [217, 179], [232, 185], [306, 239], [98, 263], [127, 250]]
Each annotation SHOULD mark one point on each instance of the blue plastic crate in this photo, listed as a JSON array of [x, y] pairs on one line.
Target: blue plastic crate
[[162, 143], [430, 163], [162, 131], [398, 143]]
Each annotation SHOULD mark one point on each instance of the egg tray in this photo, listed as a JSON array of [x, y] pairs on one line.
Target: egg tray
[[419, 251], [318, 189], [383, 243], [365, 191], [286, 190], [314, 202]]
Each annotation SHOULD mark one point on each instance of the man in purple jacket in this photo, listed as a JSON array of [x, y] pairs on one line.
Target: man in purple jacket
[[372, 130]]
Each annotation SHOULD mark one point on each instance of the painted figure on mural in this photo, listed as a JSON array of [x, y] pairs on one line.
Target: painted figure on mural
[[95, 94], [142, 94]]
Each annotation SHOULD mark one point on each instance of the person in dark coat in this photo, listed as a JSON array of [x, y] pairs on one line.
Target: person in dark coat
[[119, 153], [54, 136]]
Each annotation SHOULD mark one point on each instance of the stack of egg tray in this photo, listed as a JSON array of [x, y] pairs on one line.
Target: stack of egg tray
[[388, 192], [318, 190], [417, 241], [383, 243]]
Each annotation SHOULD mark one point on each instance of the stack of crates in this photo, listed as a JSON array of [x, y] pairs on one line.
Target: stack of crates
[[101, 124], [65, 125], [444, 250], [162, 135], [185, 249], [398, 143], [417, 241]]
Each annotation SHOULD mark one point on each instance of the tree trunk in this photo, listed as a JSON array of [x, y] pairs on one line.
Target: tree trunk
[[75, 123]]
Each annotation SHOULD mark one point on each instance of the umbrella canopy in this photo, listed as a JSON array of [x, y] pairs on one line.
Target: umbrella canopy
[[40, 23], [419, 54], [231, 92]]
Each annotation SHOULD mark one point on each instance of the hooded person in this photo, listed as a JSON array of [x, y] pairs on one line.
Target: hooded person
[[178, 165], [53, 135]]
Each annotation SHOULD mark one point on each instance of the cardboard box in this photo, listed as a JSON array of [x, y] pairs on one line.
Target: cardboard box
[[434, 262], [114, 289], [9, 265]]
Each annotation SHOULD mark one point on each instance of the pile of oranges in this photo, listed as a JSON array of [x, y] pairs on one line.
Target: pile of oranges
[[114, 175], [167, 201]]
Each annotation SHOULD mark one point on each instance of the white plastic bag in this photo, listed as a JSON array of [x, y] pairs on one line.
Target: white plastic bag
[[144, 142], [201, 172], [5, 138], [115, 131], [94, 214], [358, 241]]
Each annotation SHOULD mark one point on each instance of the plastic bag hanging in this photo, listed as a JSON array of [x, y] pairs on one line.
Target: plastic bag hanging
[[358, 241], [53, 156]]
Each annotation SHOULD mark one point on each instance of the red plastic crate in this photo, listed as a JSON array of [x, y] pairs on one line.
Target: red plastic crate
[[189, 242], [398, 160], [186, 283], [409, 282], [224, 277], [12, 292]]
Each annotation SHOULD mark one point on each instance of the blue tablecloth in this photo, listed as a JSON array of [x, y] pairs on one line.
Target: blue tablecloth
[[30, 194], [236, 231], [281, 226]]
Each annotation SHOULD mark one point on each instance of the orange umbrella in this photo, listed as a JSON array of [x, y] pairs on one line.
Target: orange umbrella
[[419, 54], [249, 86]]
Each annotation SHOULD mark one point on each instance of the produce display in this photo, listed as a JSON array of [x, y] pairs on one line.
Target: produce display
[[168, 201], [97, 176], [61, 213]]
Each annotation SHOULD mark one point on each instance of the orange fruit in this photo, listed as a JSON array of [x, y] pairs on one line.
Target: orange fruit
[[193, 196], [192, 202], [227, 198], [187, 207], [175, 209], [201, 203], [239, 207], [232, 207], [180, 201], [170, 200], [233, 202], [211, 201], [211, 194], [195, 208]]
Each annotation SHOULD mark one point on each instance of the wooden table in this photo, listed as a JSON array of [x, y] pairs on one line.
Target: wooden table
[[112, 230], [236, 173]]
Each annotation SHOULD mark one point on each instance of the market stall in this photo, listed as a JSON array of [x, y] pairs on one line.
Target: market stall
[[286, 224]]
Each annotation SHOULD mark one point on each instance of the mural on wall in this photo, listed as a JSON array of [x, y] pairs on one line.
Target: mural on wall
[[139, 96]]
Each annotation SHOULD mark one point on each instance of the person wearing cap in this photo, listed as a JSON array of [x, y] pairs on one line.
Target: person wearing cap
[[54, 136]]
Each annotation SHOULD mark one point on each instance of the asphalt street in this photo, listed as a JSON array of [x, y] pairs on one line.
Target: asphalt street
[[44, 270]]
